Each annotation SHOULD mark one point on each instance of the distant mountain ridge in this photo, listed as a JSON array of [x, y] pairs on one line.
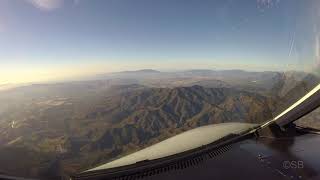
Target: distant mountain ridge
[[141, 71]]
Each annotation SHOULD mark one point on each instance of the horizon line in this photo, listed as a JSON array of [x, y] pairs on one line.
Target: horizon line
[[94, 76]]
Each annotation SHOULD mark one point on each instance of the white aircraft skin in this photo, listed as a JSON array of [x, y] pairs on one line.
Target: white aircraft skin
[[182, 142]]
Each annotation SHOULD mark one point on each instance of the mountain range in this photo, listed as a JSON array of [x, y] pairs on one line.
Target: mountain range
[[62, 128]]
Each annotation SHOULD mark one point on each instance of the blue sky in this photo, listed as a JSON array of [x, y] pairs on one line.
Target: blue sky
[[109, 35]]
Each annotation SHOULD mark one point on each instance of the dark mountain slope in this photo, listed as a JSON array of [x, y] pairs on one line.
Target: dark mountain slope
[[154, 114]]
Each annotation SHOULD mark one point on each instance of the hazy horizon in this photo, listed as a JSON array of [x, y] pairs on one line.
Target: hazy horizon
[[36, 74], [97, 76]]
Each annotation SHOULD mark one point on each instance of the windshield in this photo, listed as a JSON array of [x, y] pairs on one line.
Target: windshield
[[84, 82]]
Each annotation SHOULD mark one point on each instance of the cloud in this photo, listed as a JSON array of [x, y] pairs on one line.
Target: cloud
[[46, 5]]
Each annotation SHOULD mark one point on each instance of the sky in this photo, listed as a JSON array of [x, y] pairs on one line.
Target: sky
[[43, 40]]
